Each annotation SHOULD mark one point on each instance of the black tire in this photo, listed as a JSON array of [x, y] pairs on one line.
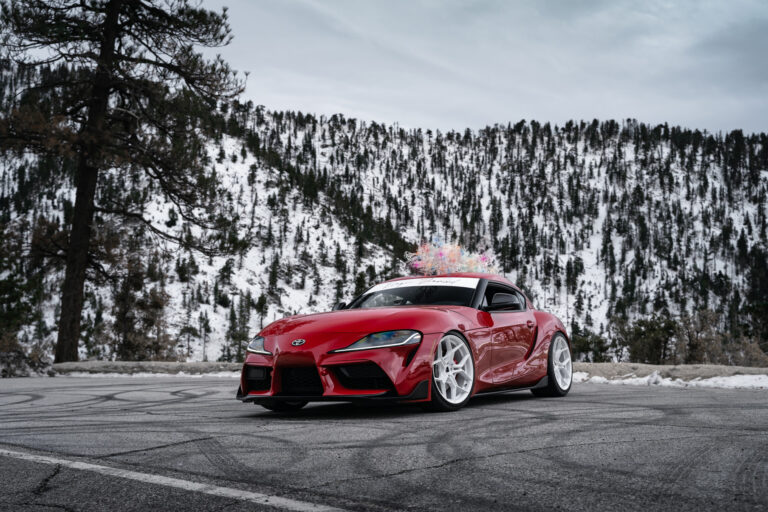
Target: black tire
[[552, 388], [437, 402], [282, 405]]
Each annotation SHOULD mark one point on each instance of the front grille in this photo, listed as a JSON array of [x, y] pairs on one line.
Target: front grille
[[303, 381], [257, 378], [362, 376]]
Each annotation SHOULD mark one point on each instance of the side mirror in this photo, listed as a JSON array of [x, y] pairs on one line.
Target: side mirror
[[505, 302], [339, 305]]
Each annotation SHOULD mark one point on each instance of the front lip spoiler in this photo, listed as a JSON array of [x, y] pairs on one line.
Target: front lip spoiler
[[420, 392]]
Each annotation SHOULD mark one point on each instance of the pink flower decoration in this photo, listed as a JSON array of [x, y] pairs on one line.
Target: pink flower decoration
[[445, 258]]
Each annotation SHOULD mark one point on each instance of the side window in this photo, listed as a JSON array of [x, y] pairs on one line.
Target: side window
[[523, 301], [503, 298], [490, 291]]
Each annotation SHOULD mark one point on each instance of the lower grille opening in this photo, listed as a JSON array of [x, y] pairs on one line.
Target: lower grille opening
[[301, 381], [257, 378], [362, 376]]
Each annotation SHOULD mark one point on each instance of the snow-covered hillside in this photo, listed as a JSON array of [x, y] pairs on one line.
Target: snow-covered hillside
[[594, 220]]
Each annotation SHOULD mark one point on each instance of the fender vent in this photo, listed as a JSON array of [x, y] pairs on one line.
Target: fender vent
[[362, 376]]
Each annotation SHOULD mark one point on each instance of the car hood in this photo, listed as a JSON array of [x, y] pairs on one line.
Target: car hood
[[427, 319]]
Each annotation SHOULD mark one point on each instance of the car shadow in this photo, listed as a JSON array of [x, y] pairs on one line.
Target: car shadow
[[341, 411], [365, 410]]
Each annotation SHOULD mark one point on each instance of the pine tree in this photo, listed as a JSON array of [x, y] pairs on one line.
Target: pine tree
[[274, 270], [261, 309], [205, 332], [133, 97], [360, 284]]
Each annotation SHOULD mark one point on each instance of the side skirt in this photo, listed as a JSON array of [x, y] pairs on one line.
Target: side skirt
[[543, 382]]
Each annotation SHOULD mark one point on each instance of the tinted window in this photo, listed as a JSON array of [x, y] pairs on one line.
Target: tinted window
[[492, 289], [416, 296]]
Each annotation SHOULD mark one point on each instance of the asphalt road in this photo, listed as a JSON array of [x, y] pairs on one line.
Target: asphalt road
[[185, 443]]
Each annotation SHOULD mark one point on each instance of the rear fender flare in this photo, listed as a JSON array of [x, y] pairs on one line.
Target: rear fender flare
[[548, 325]]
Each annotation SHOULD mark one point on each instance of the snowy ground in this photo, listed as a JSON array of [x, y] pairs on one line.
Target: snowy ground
[[655, 379], [696, 375]]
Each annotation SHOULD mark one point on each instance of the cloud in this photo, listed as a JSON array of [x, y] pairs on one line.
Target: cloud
[[453, 64]]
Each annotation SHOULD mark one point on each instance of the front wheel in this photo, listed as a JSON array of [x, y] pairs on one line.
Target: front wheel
[[453, 374], [282, 405], [559, 369]]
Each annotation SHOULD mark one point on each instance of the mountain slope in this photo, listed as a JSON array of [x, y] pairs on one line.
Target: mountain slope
[[600, 223]]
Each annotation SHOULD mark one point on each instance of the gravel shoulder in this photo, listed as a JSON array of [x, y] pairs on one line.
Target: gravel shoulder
[[606, 370], [134, 367]]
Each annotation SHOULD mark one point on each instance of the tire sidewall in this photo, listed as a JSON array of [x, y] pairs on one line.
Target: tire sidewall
[[555, 386]]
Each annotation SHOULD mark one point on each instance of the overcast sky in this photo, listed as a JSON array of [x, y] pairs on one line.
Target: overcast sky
[[452, 65]]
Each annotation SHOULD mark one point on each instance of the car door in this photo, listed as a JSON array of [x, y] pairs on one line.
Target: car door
[[513, 331]]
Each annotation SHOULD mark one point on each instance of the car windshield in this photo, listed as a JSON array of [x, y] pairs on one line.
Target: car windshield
[[419, 292]]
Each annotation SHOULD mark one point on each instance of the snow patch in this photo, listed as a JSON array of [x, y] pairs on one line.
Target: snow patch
[[579, 377], [654, 379]]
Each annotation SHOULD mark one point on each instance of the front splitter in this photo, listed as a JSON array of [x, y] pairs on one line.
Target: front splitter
[[420, 392]]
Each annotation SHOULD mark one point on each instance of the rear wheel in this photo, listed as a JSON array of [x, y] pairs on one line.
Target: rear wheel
[[453, 374], [559, 369], [282, 406]]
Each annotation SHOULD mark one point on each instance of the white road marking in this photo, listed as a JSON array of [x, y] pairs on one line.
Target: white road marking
[[213, 490]]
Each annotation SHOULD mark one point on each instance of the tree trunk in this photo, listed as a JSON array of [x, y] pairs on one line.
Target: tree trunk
[[85, 182], [77, 263]]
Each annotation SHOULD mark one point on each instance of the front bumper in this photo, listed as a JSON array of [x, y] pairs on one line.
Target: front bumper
[[312, 373]]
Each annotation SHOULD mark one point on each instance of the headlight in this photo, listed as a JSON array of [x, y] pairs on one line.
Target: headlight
[[256, 346], [383, 340]]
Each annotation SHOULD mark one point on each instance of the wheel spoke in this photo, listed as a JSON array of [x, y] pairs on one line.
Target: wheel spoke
[[452, 351], [463, 361]]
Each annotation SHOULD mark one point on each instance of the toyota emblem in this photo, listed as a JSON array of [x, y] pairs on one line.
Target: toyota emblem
[[298, 343]]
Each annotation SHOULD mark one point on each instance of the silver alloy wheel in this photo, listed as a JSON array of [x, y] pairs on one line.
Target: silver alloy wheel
[[561, 360], [453, 369]]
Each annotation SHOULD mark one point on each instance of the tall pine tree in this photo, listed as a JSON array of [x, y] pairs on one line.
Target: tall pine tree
[[133, 94]]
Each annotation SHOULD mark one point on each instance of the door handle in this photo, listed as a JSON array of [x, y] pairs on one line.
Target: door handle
[[530, 324]]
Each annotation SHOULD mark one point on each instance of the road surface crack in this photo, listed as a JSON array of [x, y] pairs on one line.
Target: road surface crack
[[43, 487], [153, 448], [28, 504]]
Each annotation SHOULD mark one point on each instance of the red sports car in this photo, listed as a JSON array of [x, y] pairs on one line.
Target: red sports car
[[435, 340]]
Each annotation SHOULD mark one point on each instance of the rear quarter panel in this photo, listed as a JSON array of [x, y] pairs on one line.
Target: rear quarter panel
[[529, 370], [547, 325]]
